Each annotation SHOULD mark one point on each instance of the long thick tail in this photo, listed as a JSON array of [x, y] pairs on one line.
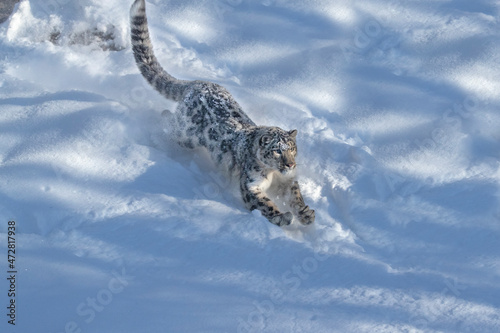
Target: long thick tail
[[149, 66]]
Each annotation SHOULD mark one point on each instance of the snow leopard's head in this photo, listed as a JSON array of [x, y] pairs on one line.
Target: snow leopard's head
[[277, 149]]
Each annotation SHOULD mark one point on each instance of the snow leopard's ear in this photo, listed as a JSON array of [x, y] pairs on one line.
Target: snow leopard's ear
[[265, 139], [293, 133]]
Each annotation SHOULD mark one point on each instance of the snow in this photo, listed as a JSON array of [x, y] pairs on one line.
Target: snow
[[118, 230]]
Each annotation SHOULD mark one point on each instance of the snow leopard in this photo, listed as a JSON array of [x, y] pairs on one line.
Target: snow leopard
[[207, 116]]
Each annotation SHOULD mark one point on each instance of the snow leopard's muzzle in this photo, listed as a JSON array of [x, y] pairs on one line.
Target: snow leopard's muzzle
[[287, 162]]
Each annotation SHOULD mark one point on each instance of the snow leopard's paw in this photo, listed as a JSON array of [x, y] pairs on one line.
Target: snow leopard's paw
[[306, 215], [282, 219]]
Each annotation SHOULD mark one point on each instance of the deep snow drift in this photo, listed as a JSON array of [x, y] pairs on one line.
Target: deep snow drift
[[397, 106]]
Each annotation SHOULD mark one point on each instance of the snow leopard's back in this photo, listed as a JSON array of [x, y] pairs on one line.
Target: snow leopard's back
[[207, 114]]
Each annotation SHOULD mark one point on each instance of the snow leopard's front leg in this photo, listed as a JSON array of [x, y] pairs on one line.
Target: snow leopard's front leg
[[305, 214], [255, 197]]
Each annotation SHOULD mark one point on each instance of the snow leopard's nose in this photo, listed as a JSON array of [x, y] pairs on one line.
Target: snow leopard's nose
[[290, 164]]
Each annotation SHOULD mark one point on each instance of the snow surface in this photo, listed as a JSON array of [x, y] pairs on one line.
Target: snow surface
[[397, 106]]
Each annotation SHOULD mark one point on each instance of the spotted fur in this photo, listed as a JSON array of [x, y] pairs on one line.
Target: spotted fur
[[208, 116]]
